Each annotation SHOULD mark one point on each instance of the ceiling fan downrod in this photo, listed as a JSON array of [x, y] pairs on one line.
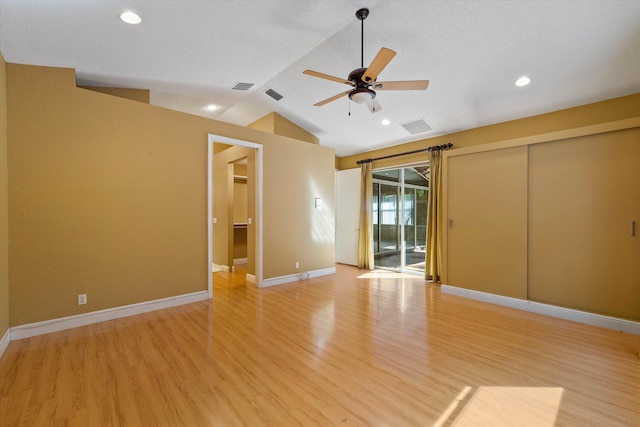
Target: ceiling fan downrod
[[362, 14]]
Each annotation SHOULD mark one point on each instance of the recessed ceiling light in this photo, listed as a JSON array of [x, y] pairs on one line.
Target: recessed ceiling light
[[211, 107], [523, 81], [130, 17], [386, 122]]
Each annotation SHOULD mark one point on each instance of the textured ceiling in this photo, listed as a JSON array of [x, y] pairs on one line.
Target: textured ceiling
[[190, 54]]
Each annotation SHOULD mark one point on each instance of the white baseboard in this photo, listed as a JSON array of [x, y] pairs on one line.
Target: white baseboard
[[594, 319], [54, 325], [219, 267], [251, 278], [294, 277], [4, 342], [237, 261]]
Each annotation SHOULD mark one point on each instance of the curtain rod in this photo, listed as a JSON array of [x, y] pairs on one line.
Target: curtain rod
[[432, 148]]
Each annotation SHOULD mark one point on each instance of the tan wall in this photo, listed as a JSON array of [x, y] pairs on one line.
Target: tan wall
[[240, 199], [278, 125], [4, 222], [140, 95], [264, 124], [294, 203], [108, 197], [586, 115], [239, 242]]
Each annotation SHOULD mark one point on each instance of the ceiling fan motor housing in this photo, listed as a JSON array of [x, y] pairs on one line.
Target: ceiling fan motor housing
[[361, 92], [356, 76]]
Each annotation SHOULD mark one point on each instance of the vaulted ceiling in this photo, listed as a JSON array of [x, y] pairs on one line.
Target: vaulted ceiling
[[192, 53]]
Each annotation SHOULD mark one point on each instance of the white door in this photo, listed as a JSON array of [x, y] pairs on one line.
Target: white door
[[347, 215]]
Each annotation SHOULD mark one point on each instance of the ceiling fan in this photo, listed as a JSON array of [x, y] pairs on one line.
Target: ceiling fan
[[363, 80]]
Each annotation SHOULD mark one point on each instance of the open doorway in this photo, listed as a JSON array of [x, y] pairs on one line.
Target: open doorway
[[226, 157], [400, 218]]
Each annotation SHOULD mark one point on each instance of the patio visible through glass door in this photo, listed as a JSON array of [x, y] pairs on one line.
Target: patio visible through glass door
[[400, 218]]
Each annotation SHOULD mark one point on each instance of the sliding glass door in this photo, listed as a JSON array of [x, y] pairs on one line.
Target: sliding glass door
[[400, 218]]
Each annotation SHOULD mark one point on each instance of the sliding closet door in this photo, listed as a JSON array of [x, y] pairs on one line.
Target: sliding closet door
[[584, 195], [487, 221]]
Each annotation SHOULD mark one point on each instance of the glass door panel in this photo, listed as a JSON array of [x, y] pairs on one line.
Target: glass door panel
[[409, 225], [388, 230], [375, 212], [400, 218], [415, 252]]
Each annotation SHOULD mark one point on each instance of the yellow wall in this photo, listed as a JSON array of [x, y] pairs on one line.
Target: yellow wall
[[140, 95], [240, 198], [299, 185], [4, 222], [278, 125], [590, 114], [108, 196]]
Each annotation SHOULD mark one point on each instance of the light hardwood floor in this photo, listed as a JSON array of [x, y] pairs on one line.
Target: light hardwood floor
[[354, 348]]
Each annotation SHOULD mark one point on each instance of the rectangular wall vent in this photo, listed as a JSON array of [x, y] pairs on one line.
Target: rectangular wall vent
[[242, 86], [417, 126], [272, 93]]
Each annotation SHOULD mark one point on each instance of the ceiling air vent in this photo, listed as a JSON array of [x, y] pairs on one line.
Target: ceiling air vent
[[242, 86], [417, 126], [272, 93]]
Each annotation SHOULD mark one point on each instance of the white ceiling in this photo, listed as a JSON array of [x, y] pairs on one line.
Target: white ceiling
[[190, 54]]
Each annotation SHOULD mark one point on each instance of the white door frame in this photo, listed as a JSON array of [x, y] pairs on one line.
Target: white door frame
[[257, 221]]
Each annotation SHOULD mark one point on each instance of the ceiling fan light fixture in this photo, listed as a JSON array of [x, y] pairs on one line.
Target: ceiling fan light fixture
[[130, 17], [362, 95]]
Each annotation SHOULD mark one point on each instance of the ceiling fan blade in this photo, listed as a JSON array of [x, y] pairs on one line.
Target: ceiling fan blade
[[327, 77], [381, 60], [374, 105], [333, 98], [402, 85]]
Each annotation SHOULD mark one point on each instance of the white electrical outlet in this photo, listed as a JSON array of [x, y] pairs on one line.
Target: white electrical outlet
[[82, 299], [297, 264]]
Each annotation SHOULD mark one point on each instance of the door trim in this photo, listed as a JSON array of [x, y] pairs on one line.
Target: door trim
[[257, 221]]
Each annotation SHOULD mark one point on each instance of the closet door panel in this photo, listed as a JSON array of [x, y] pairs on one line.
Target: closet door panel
[[487, 221], [584, 194]]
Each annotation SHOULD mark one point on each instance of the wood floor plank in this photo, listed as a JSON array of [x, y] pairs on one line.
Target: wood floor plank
[[350, 349]]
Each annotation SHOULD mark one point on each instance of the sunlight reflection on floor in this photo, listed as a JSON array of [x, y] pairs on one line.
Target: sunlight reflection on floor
[[386, 274], [504, 406]]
